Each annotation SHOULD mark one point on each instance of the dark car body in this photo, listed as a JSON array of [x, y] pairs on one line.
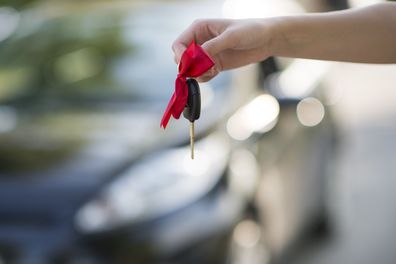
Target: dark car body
[[88, 176]]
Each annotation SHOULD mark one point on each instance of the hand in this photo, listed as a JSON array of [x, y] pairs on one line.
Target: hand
[[231, 43]]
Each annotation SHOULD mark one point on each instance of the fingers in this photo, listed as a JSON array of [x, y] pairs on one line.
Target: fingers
[[214, 37], [178, 49], [207, 76], [185, 38], [231, 59], [220, 43], [201, 31]]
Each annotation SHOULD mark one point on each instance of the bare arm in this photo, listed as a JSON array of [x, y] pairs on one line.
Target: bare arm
[[356, 35]]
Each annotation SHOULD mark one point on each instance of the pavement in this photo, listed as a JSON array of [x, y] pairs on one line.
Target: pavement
[[362, 190]]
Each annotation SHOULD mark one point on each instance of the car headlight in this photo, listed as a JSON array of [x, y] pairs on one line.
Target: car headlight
[[155, 186]]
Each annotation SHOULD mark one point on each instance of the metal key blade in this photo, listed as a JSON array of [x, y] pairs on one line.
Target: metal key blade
[[192, 139]]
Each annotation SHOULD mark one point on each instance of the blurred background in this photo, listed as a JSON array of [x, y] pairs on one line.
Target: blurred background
[[294, 158]]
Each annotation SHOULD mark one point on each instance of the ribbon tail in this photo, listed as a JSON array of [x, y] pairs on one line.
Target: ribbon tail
[[168, 112], [181, 92]]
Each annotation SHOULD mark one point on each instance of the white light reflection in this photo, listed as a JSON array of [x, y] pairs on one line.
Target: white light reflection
[[157, 185], [244, 172], [301, 77], [93, 217], [8, 119], [310, 111], [247, 234], [359, 3], [260, 115], [9, 20], [121, 204], [259, 8], [197, 166]]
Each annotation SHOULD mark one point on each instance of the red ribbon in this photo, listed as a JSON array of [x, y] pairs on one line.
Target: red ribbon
[[193, 63]]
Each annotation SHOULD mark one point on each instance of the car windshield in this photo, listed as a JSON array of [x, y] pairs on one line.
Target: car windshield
[[82, 53]]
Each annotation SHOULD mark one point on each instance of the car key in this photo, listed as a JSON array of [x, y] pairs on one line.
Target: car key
[[192, 111]]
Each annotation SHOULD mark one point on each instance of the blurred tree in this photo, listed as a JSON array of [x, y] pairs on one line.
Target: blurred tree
[[71, 53], [17, 4]]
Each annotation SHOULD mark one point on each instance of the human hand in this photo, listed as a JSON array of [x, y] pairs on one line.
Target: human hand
[[231, 43]]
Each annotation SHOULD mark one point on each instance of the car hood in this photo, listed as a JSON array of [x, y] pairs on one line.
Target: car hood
[[44, 142], [53, 149], [59, 158]]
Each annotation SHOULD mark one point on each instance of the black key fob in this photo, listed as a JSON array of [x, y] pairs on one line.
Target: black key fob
[[192, 111]]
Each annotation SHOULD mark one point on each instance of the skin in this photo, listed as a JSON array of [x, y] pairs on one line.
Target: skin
[[366, 35]]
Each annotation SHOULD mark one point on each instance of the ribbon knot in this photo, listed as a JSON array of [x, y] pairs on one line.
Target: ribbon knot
[[193, 63]]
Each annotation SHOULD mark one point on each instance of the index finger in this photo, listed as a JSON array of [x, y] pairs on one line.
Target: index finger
[[199, 31]]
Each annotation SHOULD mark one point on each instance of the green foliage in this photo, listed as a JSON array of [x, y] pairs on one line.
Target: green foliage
[[17, 4]]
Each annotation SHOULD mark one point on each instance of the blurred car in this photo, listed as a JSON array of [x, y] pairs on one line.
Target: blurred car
[[87, 175]]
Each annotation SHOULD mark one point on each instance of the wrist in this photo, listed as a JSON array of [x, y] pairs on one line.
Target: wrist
[[278, 35], [289, 36]]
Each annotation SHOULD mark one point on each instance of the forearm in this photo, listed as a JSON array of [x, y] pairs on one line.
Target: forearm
[[360, 35]]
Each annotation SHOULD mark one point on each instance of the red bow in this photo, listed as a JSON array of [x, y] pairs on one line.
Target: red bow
[[194, 62]]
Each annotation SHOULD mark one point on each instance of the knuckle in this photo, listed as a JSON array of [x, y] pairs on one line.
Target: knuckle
[[199, 23], [207, 76], [218, 67], [231, 35]]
